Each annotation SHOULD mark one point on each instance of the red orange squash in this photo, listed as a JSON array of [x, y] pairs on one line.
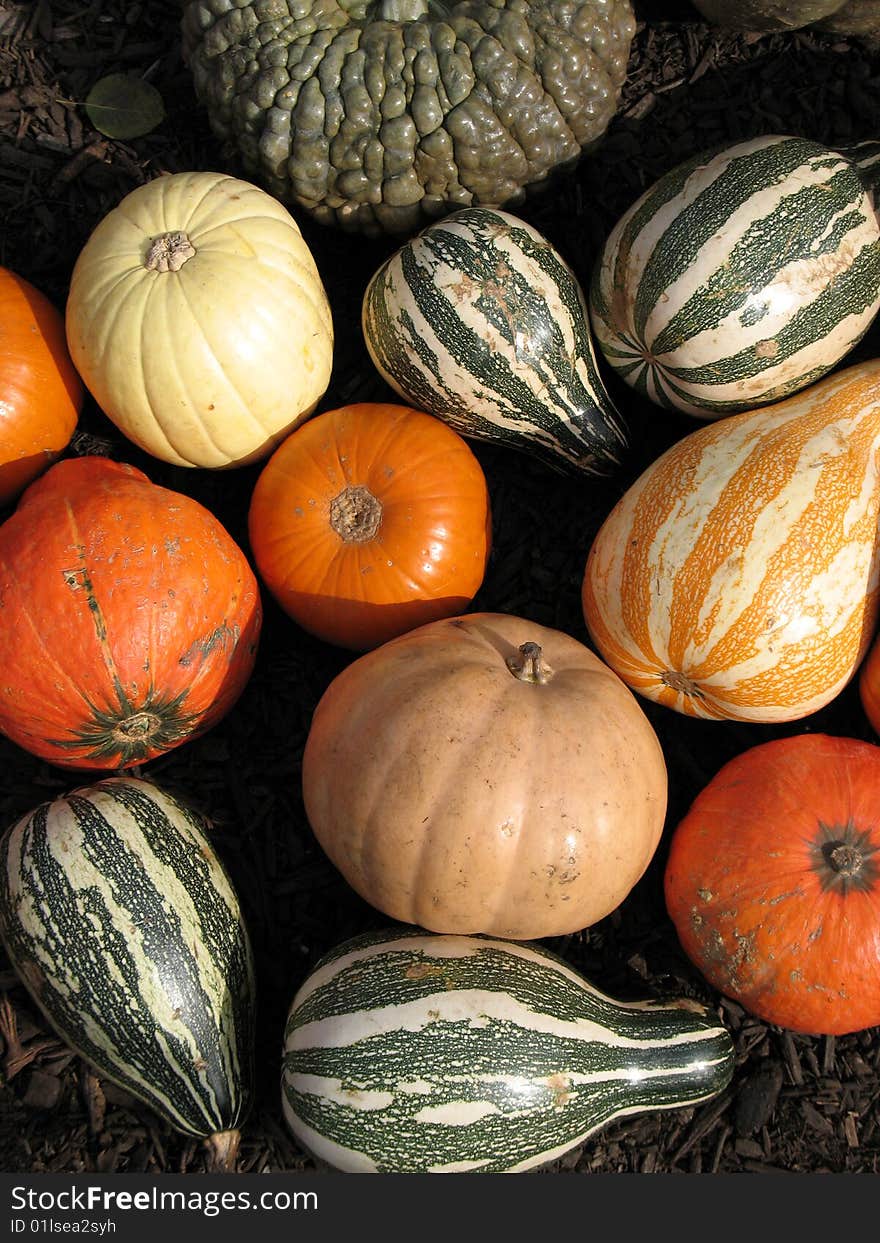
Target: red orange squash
[[129, 618], [41, 394], [371, 520], [773, 883]]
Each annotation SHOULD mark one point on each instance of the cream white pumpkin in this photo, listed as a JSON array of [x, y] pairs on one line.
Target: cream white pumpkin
[[199, 321], [738, 576]]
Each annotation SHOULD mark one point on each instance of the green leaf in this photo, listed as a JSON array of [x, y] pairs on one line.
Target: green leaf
[[123, 106]]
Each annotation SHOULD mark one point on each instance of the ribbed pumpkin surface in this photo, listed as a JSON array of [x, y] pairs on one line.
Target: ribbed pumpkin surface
[[739, 277], [122, 922], [408, 1052], [738, 576]]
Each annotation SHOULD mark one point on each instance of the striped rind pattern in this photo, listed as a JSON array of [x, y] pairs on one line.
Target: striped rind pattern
[[738, 576], [121, 921], [480, 322], [407, 1051], [740, 277]]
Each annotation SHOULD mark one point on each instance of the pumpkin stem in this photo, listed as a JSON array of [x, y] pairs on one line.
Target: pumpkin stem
[[356, 515], [137, 728], [529, 664], [845, 859], [222, 1149], [169, 252]]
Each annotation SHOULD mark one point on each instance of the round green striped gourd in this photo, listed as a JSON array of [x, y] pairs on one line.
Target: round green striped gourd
[[479, 321], [407, 1051], [739, 277], [122, 923]]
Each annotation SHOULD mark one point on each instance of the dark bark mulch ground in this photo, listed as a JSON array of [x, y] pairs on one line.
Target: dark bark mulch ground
[[796, 1103]]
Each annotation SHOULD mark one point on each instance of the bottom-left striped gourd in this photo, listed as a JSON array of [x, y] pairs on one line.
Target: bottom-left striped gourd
[[124, 926]]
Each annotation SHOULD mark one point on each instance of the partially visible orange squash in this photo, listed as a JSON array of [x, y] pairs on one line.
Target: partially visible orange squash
[[485, 774], [41, 394]]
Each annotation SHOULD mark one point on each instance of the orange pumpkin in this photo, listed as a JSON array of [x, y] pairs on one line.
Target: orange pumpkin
[[41, 393], [869, 684], [129, 618], [371, 520], [485, 774], [773, 883]]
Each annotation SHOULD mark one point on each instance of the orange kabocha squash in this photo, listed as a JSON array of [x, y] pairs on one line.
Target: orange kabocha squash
[[737, 577], [41, 393], [485, 774], [369, 521], [773, 883], [129, 618]]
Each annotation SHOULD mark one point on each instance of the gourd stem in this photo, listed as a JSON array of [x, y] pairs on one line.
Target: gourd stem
[[222, 1149], [169, 252], [529, 664], [355, 514], [845, 859]]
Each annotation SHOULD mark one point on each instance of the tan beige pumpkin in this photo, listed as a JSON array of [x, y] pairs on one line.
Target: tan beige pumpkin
[[738, 576], [198, 320], [485, 774]]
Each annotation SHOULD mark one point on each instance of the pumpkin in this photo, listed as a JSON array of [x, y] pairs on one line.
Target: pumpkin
[[369, 521], [869, 684], [765, 15], [411, 1052], [41, 393], [741, 276], [480, 321], [129, 618], [772, 882], [125, 928], [377, 115], [737, 577], [485, 774], [199, 321]]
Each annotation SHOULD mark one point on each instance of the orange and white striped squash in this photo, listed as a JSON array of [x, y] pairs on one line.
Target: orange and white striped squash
[[738, 576]]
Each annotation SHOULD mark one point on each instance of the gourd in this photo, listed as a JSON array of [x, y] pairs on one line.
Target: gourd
[[741, 276], [485, 774], [772, 883], [198, 320], [737, 577], [129, 618], [762, 15], [408, 1052], [378, 115], [480, 321], [122, 923], [41, 393], [370, 520]]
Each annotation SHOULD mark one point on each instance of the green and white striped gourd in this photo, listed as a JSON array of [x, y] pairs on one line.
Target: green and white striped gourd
[[740, 277], [122, 923], [407, 1051], [479, 321]]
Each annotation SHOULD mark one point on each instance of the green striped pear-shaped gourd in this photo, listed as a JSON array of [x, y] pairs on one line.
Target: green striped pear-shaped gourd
[[740, 277], [407, 1051], [119, 918], [479, 321]]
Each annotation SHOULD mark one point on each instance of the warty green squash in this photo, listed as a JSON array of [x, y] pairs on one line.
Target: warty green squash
[[375, 115], [121, 921], [409, 1052]]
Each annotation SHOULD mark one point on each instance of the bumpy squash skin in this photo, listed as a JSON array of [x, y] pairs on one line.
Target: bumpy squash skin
[[122, 923], [737, 577], [406, 1052], [772, 883], [370, 520], [379, 115], [454, 792], [129, 618], [41, 393], [199, 321]]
